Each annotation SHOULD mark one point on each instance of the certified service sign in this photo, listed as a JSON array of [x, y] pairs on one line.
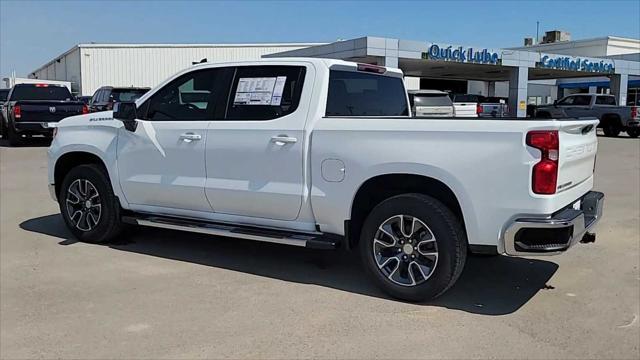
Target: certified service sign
[[580, 64]]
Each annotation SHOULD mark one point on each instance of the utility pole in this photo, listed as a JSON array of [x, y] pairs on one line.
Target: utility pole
[[537, 32]]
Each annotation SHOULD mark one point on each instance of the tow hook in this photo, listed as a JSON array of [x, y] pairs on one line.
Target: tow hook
[[588, 238]]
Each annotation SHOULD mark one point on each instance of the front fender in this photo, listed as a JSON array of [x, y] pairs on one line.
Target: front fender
[[99, 140]]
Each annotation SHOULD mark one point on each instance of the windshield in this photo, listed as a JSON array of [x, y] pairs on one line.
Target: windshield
[[3, 94], [430, 100], [467, 98], [128, 94], [40, 92]]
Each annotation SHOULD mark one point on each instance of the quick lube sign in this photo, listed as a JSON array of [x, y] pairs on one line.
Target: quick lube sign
[[461, 54], [570, 63]]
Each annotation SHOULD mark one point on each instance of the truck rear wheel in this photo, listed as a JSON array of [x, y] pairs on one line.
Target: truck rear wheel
[[611, 128], [88, 205], [413, 247], [13, 137]]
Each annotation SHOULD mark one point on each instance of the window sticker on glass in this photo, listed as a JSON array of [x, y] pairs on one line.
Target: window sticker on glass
[[259, 91]]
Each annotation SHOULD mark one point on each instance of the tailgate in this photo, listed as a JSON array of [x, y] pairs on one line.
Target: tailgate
[[47, 111], [493, 110], [465, 109], [434, 110], [578, 147]]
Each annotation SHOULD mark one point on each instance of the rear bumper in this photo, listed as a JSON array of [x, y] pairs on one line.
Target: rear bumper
[[556, 233], [33, 127]]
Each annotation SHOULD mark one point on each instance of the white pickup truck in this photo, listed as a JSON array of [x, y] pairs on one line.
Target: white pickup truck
[[324, 153]]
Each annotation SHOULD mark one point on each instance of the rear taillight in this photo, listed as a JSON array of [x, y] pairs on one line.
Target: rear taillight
[[634, 112], [85, 109], [479, 109], [545, 173], [17, 112]]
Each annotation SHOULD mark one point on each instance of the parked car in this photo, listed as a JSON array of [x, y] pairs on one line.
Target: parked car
[[84, 99], [321, 153], [30, 108], [482, 106], [104, 98], [613, 118], [430, 103], [465, 105], [493, 107]]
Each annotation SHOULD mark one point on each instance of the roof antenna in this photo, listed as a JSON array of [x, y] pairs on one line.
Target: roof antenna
[[199, 62]]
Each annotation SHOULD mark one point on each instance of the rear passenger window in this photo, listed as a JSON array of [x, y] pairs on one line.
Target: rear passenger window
[[430, 100], [581, 100], [605, 100], [360, 94], [265, 92]]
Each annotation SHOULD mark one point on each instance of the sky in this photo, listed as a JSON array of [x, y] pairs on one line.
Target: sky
[[33, 33]]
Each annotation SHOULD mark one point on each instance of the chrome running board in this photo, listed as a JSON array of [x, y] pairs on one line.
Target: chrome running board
[[314, 240]]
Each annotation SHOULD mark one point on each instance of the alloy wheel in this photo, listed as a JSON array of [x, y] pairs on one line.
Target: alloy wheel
[[84, 205], [405, 250]]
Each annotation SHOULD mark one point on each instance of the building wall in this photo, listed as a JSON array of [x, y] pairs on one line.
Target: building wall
[[148, 66], [90, 66], [600, 47], [64, 68], [412, 83]]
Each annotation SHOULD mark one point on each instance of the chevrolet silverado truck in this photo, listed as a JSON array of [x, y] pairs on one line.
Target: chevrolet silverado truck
[[323, 153], [613, 118], [30, 109]]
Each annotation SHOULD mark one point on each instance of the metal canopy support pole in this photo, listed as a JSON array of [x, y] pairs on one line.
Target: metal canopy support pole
[[518, 82], [618, 85], [491, 88]]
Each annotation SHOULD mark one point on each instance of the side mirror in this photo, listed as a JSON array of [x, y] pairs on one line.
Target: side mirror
[[555, 102], [127, 113]]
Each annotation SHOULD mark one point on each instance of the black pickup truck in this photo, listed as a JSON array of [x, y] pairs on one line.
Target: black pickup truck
[[30, 107]]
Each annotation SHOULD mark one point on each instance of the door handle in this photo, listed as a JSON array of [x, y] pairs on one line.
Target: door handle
[[189, 137], [283, 139]]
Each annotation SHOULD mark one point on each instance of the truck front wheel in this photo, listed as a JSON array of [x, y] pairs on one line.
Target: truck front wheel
[[88, 205], [634, 133], [413, 247]]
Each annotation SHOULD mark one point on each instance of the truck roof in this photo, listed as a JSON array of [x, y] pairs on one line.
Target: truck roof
[[316, 61]]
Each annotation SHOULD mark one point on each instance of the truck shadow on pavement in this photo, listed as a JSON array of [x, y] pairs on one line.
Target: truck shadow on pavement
[[496, 285]]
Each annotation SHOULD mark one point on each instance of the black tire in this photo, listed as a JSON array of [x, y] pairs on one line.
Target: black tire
[[13, 137], [106, 224], [3, 128], [611, 128], [633, 133], [450, 242]]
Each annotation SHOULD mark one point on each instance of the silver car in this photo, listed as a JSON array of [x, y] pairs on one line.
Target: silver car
[[432, 103]]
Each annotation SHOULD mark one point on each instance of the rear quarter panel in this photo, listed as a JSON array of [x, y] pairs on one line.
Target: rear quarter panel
[[484, 162]]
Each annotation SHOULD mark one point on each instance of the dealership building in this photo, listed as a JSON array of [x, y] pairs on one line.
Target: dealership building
[[531, 74]]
